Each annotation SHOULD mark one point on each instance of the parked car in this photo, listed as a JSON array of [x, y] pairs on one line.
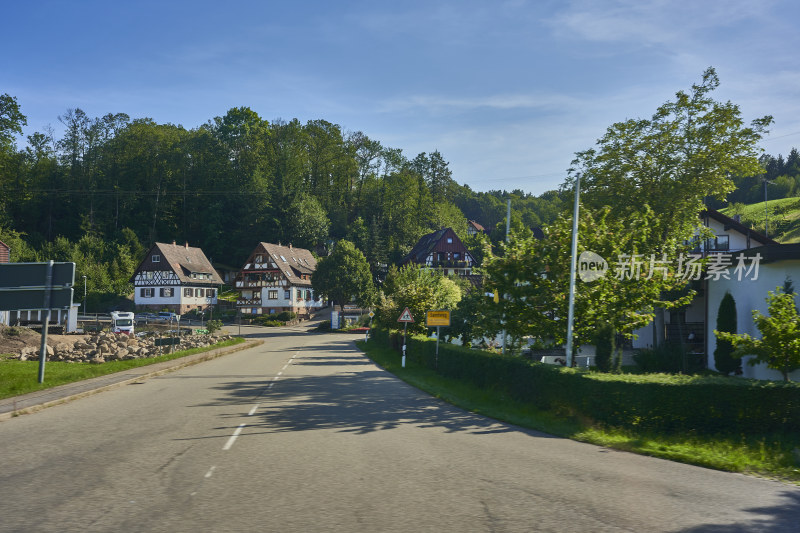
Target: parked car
[[167, 316]]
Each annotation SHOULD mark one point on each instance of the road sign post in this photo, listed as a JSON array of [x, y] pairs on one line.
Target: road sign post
[[42, 286], [438, 319], [405, 318]]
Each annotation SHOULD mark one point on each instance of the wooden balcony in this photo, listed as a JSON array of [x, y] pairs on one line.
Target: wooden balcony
[[253, 302], [451, 264], [258, 284]]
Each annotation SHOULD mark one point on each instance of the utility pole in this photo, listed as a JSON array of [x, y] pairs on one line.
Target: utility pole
[[572, 268], [508, 232]]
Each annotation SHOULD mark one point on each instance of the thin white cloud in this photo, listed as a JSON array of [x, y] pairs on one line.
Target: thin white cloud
[[653, 22], [431, 103]]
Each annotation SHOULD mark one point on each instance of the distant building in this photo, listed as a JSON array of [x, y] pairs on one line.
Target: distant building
[[442, 250], [176, 278], [277, 278], [473, 228]]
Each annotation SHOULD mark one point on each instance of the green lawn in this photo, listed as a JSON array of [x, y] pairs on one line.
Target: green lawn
[[772, 456], [22, 377], [783, 219]]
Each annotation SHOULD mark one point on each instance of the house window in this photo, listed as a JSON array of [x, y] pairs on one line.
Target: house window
[[288, 273], [148, 292], [286, 295], [198, 293], [449, 240], [188, 292], [166, 292], [210, 293], [156, 258], [284, 259], [272, 295], [456, 255], [720, 243], [149, 275], [259, 259]]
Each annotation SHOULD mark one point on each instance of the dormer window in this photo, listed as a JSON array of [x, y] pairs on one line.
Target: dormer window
[[156, 258], [284, 259], [449, 240]]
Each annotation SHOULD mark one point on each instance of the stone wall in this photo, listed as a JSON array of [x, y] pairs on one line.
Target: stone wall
[[116, 347]]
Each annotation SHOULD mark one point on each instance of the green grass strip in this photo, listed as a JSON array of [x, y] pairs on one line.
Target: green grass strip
[[770, 456], [22, 377]]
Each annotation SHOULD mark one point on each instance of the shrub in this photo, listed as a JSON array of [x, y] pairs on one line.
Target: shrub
[[668, 358], [213, 325], [604, 347], [723, 353], [657, 402], [285, 316]]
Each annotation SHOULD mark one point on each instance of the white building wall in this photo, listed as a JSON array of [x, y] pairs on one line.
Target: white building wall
[[736, 241], [750, 295]]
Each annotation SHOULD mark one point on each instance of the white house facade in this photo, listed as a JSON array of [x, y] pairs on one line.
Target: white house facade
[[755, 265], [777, 263]]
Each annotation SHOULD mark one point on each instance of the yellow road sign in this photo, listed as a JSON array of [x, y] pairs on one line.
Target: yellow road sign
[[438, 318]]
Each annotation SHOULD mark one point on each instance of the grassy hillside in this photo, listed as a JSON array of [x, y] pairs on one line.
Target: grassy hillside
[[783, 218]]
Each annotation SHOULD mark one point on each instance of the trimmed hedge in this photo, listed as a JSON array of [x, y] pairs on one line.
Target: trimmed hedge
[[653, 402]]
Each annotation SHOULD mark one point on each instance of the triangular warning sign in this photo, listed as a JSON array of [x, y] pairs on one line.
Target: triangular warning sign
[[406, 316]]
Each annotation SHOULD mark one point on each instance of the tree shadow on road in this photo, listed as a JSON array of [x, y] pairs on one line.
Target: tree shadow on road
[[358, 398], [776, 518]]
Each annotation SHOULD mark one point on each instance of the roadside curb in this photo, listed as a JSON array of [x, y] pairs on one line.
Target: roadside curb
[[36, 401]]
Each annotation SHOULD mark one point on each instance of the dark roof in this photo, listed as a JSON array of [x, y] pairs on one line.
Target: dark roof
[[294, 262], [728, 222], [184, 260], [774, 252], [424, 246]]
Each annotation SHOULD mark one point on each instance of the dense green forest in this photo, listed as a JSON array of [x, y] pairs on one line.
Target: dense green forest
[[111, 186]]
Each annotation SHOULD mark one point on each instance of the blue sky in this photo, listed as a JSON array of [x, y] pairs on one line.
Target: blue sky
[[507, 91]]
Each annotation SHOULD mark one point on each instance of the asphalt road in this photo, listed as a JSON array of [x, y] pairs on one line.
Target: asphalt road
[[304, 434]]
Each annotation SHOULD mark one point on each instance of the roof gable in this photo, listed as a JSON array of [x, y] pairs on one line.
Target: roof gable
[[432, 242], [185, 261]]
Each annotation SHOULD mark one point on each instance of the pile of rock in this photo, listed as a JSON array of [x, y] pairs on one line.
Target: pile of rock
[[116, 347]]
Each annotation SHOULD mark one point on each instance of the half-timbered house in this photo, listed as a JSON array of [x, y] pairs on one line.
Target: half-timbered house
[[277, 278], [442, 250], [175, 278]]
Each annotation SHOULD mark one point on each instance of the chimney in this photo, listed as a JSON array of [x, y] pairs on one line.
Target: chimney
[[290, 246], [173, 242], [186, 245]]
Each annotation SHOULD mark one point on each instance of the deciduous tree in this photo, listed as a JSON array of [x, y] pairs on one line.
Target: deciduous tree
[[344, 276]]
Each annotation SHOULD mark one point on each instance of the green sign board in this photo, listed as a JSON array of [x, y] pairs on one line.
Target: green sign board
[[19, 275], [21, 299]]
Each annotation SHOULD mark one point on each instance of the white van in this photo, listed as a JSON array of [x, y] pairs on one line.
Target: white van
[[122, 322]]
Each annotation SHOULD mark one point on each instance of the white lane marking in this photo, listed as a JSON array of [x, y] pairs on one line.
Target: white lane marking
[[253, 410], [210, 472], [233, 437]]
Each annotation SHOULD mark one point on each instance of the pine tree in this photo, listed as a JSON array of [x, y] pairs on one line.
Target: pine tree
[[726, 321]]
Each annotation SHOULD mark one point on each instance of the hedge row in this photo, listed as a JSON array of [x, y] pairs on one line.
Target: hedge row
[[653, 402]]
